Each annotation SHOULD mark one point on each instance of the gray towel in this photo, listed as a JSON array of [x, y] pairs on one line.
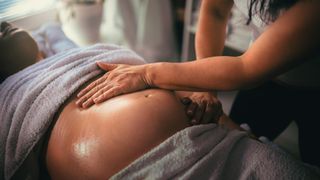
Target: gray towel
[[213, 152], [30, 98]]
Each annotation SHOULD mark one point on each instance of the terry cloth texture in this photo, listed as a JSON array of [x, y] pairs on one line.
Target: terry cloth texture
[[213, 152], [30, 98]]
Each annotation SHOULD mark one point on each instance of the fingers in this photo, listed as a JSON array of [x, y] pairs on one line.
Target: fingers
[[106, 66], [89, 99], [204, 113], [215, 114], [92, 85], [208, 114], [204, 108], [217, 111], [99, 94], [115, 82], [191, 109], [195, 112], [87, 103], [199, 114], [114, 91], [96, 85]]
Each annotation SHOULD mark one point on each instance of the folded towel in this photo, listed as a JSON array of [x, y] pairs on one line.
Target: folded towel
[[30, 98], [213, 152]]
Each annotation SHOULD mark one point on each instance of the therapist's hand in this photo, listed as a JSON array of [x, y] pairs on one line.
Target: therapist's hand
[[202, 107], [119, 79]]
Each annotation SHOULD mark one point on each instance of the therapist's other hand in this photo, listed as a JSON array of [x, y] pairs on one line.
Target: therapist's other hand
[[202, 107], [119, 79]]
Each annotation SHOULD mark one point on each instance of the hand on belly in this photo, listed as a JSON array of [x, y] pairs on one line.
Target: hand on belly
[[97, 142]]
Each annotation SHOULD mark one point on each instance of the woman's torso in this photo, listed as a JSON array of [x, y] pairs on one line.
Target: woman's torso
[[98, 142]]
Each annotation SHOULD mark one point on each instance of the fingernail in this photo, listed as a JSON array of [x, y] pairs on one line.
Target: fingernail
[[78, 102]]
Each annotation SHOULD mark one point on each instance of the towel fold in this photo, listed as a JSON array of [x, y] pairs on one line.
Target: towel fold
[[213, 152], [30, 98]]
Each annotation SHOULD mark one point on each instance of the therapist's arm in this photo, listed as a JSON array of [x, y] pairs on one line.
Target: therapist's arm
[[209, 41], [211, 30], [289, 41]]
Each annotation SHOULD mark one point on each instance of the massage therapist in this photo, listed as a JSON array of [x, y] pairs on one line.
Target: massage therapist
[[280, 69]]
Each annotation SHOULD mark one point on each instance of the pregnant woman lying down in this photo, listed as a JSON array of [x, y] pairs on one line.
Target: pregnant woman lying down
[[97, 142], [46, 135]]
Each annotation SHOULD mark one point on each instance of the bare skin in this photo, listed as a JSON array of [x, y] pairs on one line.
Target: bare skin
[[96, 143], [291, 40]]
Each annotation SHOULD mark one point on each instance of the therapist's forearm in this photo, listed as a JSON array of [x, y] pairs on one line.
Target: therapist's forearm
[[211, 30], [210, 38], [215, 73]]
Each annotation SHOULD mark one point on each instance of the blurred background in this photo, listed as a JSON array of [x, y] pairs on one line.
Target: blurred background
[[157, 30]]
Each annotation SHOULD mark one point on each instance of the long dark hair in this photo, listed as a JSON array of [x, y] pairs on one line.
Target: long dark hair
[[268, 10]]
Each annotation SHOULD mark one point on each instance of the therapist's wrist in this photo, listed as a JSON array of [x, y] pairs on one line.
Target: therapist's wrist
[[152, 74], [149, 75]]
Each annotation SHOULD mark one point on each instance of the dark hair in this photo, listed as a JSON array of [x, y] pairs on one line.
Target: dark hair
[[268, 10]]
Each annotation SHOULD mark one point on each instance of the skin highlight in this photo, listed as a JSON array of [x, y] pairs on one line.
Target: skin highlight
[[98, 142]]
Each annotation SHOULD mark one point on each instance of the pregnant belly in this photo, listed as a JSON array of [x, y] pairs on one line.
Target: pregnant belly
[[96, 143]]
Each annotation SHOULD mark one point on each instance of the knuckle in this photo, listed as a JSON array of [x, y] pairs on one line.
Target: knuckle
[[102, 95], [95, 89], [100, 86], [84, 91], [86, 96], [93, 84], [97, 94], [114, 91], [102, 90]]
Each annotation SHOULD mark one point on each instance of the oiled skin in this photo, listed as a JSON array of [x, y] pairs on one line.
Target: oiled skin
[[96, 143]]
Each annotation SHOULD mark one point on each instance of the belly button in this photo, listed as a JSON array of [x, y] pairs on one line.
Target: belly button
[[147, 95]]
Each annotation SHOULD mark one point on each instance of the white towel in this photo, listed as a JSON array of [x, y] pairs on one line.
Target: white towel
[[213, 152], [30, 98]]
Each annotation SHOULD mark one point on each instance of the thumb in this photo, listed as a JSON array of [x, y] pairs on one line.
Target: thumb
[[106, 66]]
